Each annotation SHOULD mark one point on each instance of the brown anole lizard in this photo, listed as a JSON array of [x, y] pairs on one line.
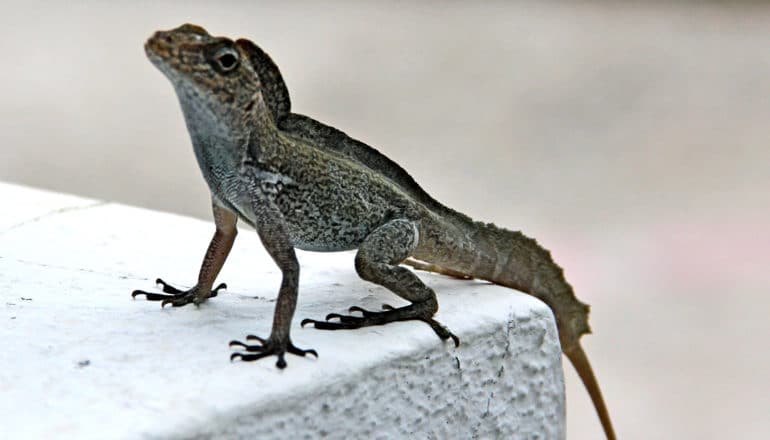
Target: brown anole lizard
[[302, 184]]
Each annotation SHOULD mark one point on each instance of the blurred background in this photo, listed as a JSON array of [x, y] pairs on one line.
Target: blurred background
[[632, 140]]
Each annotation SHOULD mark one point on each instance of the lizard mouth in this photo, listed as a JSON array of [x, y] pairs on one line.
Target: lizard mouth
[[156, 50], [160, 44]]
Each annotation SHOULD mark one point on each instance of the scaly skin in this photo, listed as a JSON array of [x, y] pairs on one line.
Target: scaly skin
[[305, 185]]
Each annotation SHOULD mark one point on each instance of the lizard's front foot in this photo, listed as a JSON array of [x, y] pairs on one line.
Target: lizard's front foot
[[267, 347], [177, 297], [391, 314]]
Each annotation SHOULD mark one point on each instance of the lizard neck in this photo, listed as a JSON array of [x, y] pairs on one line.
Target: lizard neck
[[264, 140], [209, 123], [224, 135], [217, 136]]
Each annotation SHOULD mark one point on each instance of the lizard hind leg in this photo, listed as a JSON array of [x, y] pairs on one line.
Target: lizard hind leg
[[377, 261]]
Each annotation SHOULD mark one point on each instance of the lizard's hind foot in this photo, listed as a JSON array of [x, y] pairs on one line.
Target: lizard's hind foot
[[390, 314], [265, 348], [177, 297]]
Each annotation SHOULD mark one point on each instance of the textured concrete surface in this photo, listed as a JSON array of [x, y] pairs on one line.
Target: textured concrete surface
[[81, 359]]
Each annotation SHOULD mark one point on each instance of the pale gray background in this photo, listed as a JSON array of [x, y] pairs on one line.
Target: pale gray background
[[630, 140]]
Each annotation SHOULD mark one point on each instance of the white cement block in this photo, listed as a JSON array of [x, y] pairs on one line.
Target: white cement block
[[80, 359]]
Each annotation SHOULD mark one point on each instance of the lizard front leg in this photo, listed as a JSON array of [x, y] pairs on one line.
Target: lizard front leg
[[271, 227], [215, 257], [377, 261]]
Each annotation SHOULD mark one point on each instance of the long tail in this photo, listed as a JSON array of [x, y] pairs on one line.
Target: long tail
[[513, 260], [579, 360]]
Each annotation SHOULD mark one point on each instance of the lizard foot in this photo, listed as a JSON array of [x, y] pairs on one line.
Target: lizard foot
[[370, 318], [177, 297], [265, 348]]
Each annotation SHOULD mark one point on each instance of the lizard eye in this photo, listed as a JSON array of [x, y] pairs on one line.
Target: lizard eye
[[226, 59]]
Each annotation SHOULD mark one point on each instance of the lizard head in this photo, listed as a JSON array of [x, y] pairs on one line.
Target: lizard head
[[211, 73]]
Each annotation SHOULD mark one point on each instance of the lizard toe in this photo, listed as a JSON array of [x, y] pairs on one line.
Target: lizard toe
[[177, 297]]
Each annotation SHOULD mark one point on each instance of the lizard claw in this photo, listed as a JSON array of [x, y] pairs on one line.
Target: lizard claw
[[253, 357], [267, 347], [390, 314], [255, 338], [348, 319], [366, 313], [300, 352], [215, 292], [442, 331], [177, 297], [149, 295], [247, 347], [167, 288]]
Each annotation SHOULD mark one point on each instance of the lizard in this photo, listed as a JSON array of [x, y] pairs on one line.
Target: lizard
[[303, 184]]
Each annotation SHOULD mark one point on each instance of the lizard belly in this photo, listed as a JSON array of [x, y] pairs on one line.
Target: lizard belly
[[323, 210], [323, 222], [315, 220]]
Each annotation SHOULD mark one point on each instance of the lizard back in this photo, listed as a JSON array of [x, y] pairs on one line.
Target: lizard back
[[330, 139]]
